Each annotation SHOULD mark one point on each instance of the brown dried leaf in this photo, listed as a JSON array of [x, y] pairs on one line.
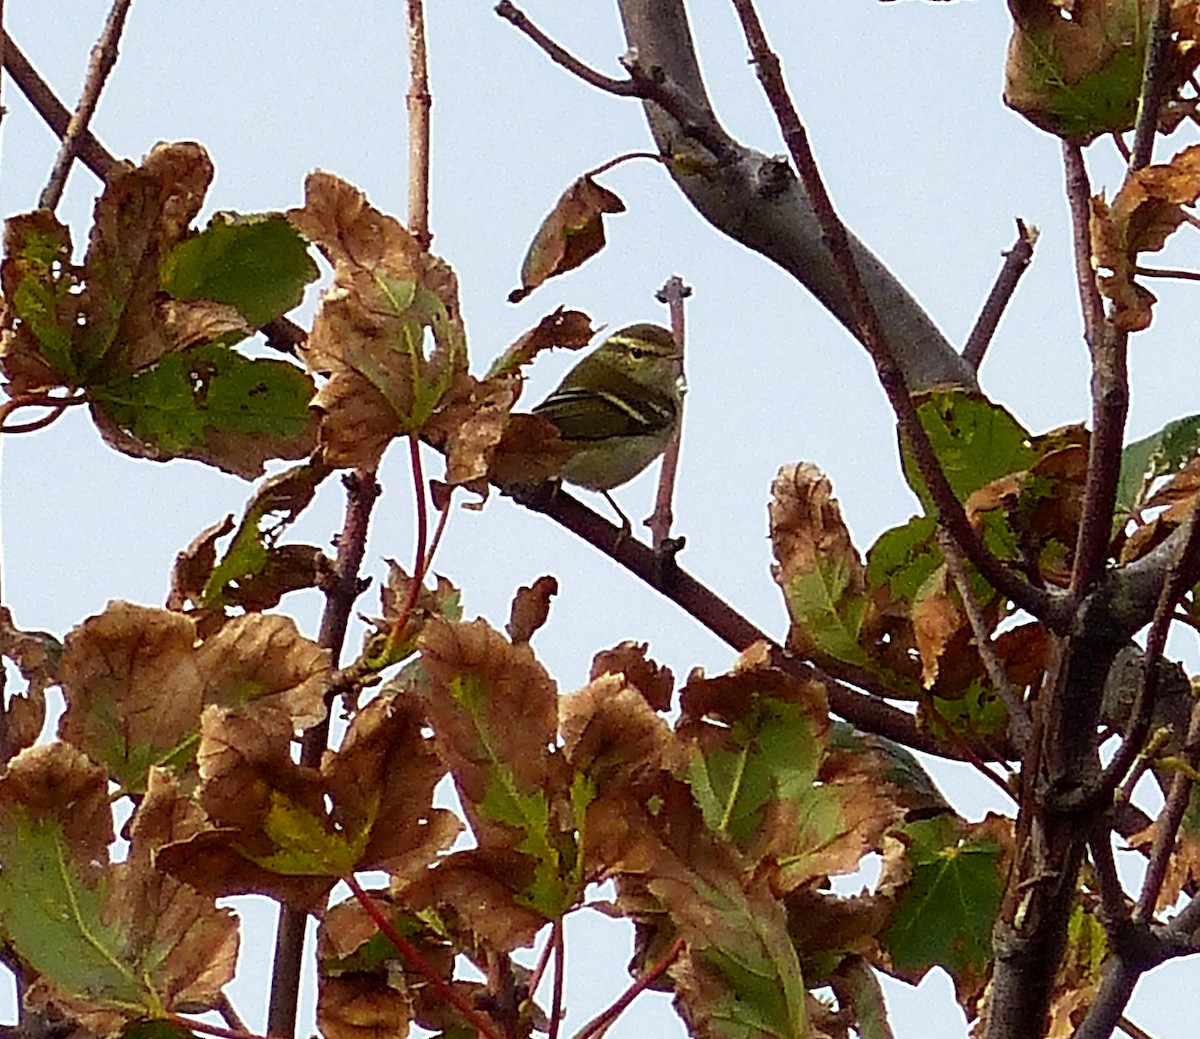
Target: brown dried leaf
[[469, 426], [55, 782], [571, 233], [263, 660], [938, 623], [570, 329], [819, 570], [530, 608], [493, 709], [611, 734], [382, 781], [133, 688], [359, 424], [530, 452], [388, 295], [201, 941], [36, 655], [362, 1006], [40, 303], [249, 781], [144, 212], [1076, 76], [475, 894], [1146, 211], [655, 682], [194, 565]]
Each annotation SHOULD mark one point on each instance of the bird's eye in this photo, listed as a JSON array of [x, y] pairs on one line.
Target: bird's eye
[[637, 353]]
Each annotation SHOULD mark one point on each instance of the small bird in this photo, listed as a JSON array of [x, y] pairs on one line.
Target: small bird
[[618, 408]]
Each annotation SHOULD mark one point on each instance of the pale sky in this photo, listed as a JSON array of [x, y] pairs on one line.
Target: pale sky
[[902, 102]]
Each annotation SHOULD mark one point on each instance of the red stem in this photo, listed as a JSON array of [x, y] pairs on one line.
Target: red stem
[[606, 1017], [418, 962], [421, 564]]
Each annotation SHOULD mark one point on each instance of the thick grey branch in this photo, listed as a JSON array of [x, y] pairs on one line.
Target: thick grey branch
[[757, 200]]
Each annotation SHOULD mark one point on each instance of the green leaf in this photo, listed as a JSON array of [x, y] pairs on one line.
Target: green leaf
[[304, 847], [274, 507], [53, 915], [832, 618], [945, 915], [1159, 454], [904, 558], [529, 813], [773, 752], [259, 264], [975, 441], [212, 404]]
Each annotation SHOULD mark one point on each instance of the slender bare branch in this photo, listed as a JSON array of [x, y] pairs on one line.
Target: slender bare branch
[[104, 58], [1174, 588], [673, 293], [1168, 823], [362, 491], [642, 83], [1110, 391], [419, 104], [1154, 85], [53, 112], [1112, 894], [1166, 272], [1016, 262], [870, 332], [1018, 715]]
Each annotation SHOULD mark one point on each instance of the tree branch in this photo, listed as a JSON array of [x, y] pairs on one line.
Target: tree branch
[[53, 112], [869, 329], [1016, 262], [673, 293], [104, 58], [756, 200], [362, 491], [1110, 392], [1154, 85]]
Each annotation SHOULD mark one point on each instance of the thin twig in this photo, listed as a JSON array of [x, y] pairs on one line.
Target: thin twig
[[1166, 272], [1154, 85], [1168, 823], [1018, 716], [560, 975], [604, 167], [53, 112], [421, 556], [951, 514], [606, 1017], [191, 1025], [104, 58], [1112, 895], [1016, 262], [1132, 1030], [1110, 393], [3, 41], [673, 293], [419, 104], [362, 491], [229, 1014], [418, 962], [543, 963], [563, 57], [1079, 192], [1175, 586], [57, 405], [695, 122]]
